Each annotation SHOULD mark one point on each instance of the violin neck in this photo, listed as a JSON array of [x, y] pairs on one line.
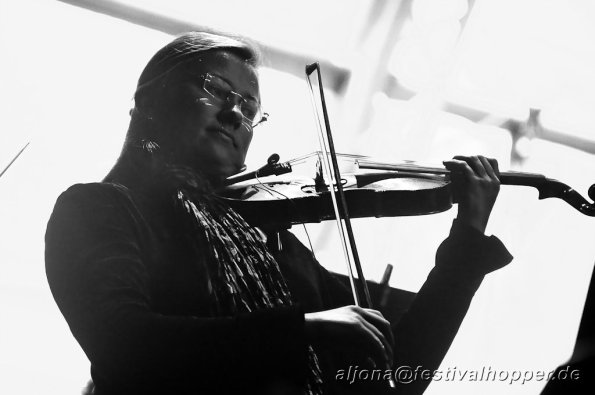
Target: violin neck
[[544, 185], [547, 187], [521, 178], [515, 177]]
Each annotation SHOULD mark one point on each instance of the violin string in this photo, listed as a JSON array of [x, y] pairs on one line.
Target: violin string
[[271, 191], [302, 158], [309, 242], [296, 162]]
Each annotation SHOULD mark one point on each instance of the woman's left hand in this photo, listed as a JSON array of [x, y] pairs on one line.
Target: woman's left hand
[[476, 184]]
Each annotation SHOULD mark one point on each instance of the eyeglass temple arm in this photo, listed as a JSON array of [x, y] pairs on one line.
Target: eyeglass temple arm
[[264, 118]]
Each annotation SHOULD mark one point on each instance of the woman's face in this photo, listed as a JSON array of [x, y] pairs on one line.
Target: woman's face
[[208, 134]]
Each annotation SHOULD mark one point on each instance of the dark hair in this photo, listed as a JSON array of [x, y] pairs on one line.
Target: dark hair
[[191, 44]]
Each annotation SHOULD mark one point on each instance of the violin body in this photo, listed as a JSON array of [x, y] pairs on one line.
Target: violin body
[[282, 202], [389, 190]]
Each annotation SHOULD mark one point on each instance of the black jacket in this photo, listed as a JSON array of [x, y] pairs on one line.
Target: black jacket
[[137, 303]]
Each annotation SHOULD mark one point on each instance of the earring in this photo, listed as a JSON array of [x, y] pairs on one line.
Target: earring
[[149, 146]]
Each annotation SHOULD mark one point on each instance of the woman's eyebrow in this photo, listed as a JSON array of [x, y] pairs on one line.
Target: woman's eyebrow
[[246, 95]]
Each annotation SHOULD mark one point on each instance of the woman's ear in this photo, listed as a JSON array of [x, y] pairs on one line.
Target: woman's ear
[[143, 100]]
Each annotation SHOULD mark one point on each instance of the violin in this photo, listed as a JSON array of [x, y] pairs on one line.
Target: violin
[[387, 190], [376, 189]]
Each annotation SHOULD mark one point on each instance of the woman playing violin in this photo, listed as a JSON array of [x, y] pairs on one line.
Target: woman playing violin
[[168, 290]]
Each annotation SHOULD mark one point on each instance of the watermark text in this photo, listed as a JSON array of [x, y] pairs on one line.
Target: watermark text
[[408, 374]]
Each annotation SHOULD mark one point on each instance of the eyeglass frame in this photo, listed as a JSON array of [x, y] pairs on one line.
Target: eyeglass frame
[[263, 115]]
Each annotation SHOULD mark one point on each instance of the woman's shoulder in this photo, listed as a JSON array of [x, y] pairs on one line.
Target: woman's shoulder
[[95, 192], [96, 188], [95, 199], [93, 208]]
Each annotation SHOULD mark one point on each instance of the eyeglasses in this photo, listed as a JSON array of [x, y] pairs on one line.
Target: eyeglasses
[[221, 91]]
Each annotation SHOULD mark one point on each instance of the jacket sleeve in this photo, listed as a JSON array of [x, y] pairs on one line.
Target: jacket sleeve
[[425, 333], [99, 279]]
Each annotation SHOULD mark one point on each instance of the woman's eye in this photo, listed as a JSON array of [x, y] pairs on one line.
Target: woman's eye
[[249, 110], [219, 91]]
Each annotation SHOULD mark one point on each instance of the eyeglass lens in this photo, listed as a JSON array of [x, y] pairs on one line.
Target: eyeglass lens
[[221, 90]]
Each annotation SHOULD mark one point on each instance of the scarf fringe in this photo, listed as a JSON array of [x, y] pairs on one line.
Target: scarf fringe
[[243, 275]]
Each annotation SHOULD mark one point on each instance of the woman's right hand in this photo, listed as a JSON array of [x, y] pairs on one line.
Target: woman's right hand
[[365, 331]]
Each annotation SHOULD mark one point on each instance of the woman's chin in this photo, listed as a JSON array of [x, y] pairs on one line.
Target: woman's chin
[[219, 177]]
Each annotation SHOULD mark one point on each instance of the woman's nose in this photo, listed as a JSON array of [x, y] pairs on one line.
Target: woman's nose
[[231, 114]]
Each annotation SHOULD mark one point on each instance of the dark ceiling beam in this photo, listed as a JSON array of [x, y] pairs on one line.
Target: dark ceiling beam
[[553, 136], [336, 77], [396, 91], [286, 61]]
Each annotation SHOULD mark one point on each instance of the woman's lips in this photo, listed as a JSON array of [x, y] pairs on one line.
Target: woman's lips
[[225, 135]]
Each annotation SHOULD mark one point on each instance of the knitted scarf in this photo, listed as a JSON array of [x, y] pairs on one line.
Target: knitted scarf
[[242, 275]]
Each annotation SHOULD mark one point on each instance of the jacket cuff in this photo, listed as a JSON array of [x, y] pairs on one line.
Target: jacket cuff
[[468, 250]]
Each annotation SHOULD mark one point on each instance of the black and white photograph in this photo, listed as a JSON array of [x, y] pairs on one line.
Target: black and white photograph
[[315, 197]]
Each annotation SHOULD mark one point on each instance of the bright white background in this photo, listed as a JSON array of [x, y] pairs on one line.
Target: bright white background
[[67, 76]]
